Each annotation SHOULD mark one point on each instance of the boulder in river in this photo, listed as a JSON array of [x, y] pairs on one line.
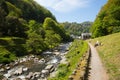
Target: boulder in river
[[7, 75], [30, 75], [41, 61], [19, 71], [16, 63], [25, 69], [50, 67], [8, 67], [36, 74], [44, 73], [2, 70]]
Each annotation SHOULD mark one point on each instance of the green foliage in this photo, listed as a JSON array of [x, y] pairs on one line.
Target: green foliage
[[2, 20], [35, 43], [108, 20], [36, 27], [22, 29], [11, 24], [27, 7], [52, 39], [40, 39], [77, 28], [13, 10], [63, 70], [15, 27], [50, 24], [10, 48], [76, 51], [1, 1], [6, 57]]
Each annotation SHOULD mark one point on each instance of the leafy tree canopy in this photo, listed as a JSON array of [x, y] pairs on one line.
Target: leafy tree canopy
[[108, 19], [77, 28], [26, 27]]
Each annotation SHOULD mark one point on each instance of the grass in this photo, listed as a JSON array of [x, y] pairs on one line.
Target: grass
[[76, 51], [109, 52]]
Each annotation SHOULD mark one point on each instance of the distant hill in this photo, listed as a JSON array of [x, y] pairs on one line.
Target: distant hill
[[108, 19], [109, 52], [77, 28]]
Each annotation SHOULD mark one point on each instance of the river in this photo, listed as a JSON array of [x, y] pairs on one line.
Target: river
[[34, 67]]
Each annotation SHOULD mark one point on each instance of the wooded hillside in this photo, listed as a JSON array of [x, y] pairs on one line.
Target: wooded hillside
[[27, 28], [77, 28], [108, 19]]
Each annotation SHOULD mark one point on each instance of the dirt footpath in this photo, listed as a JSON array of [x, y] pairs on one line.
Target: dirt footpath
[[97, 71]]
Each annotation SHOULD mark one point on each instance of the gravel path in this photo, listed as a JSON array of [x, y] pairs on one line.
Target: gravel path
[[97, 71]]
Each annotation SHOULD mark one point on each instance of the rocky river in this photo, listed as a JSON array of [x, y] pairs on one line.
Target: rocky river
[[33, 67]]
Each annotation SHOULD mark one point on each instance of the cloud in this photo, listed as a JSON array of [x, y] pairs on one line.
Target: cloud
[[47, 3], [64, 5]]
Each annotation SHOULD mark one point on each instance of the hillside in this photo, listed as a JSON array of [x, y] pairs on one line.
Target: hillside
[[108, 19], [109, 52], [26, 9], [16, 13], [27, 28], [77, 28]]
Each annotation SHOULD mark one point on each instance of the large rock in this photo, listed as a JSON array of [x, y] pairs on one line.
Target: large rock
[[41, 61], [2, 70], [19, 71], [36, 74], [25, 69], [30, 75]]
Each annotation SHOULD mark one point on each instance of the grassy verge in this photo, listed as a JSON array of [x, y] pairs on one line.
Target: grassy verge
[[76, 51], [109, 52]]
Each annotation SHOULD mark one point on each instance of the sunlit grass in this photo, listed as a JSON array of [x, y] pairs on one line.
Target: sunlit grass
[[76, 51], [109, 52]]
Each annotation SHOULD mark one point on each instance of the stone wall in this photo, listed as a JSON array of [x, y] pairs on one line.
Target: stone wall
[[81, 71]]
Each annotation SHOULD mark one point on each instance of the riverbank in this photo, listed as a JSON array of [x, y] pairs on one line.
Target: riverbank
[[74, 55]]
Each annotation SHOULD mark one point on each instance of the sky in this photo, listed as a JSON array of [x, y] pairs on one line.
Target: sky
[[73, 10]]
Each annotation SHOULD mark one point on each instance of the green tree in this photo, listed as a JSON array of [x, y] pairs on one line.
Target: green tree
[[36, 27], [108, 20], [35, 43], [77, 28], [50, 24], [2, 20], [52, 39], [14, 27]]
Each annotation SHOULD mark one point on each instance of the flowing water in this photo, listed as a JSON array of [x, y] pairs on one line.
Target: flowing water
[[31, 66]]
